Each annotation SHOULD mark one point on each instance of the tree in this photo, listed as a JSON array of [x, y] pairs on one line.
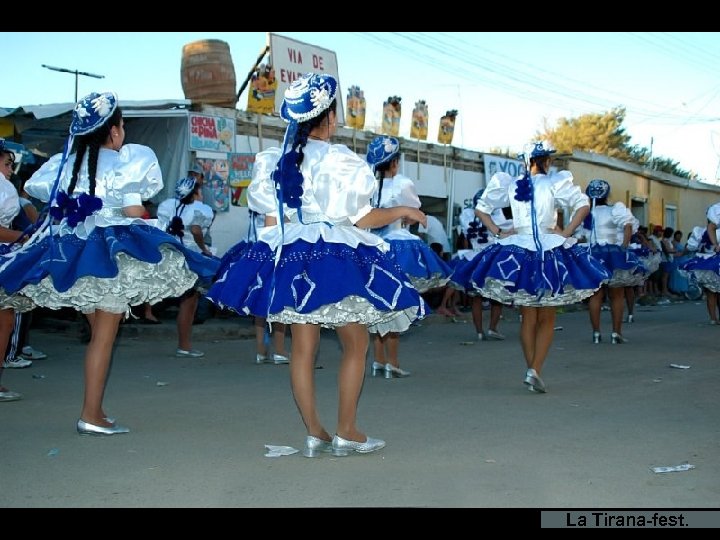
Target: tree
[[604, 134]]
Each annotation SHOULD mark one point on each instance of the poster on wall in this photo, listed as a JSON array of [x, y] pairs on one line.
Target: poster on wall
[[292, 59], [263, 85], [241, 169], [211, 133], [216, 187]]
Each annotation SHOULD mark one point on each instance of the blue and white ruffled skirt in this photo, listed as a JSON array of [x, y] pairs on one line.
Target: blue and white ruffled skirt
[[424, 268], [513, 274], [331, 276], [112, 268], [705, 267], [624, 266]]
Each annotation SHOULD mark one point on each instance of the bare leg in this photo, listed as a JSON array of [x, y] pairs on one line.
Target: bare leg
[[97, 363], [543, 336], [527, 333], [379, 348], [392, 345], [7, 323], [305, 338], [278, 331], [594, 305], [495, 314], [186, 314], [449, 300], [477, 313], [148, 313], [617, 297], [354, 339], [260, 345], [711, 300], [630, 300]]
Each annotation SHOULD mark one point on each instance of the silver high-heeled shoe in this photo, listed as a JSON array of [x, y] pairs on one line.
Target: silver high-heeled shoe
[[315, 446], [534, 382], [392, 371], [597, 337], [342, 447], [378, 369], [86, 428], [280, 359], [617, 339]]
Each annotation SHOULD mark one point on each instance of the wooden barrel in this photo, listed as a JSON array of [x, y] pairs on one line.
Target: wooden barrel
[[208, 74]]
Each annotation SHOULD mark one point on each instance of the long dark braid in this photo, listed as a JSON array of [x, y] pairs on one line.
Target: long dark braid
[[380, 171], [177, 227], [81, 146], [289, 181], [92, 143]]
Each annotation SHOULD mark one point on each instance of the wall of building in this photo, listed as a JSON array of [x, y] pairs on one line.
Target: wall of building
[[448, 177]]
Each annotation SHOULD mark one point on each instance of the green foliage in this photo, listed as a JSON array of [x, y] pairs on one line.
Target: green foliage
[[604, 134]]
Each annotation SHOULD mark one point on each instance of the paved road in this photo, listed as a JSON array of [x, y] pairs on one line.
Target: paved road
[[462, 431]]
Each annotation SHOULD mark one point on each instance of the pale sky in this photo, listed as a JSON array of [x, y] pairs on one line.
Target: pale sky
[[504, 85]]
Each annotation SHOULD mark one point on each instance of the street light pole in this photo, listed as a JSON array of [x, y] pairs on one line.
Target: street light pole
[[77, 73]]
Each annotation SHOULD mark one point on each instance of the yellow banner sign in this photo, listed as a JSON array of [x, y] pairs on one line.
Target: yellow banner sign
[[391, 116], [419, 125], [447, 127], [355, 110]]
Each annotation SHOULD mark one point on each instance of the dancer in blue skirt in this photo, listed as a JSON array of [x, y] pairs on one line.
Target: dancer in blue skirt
[[705, 264], [423, 267], [536, 266], [313, 266], [608, 230], [94, 252]]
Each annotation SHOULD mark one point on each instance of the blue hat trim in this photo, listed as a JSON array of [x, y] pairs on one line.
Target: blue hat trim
[[597, 189], [92, 111], [542, 149], [184, 187], [382, 149], [307, 97]]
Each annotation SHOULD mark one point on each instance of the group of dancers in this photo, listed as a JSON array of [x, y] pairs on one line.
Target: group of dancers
[[334, 252]]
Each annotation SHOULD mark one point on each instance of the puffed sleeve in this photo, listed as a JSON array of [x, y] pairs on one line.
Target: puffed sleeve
[[496, 193], [138, 173], [202, 216], [344, 185], [407, 195], [165, 213], [467, 216], [261, 191], [635, 223], [40, 184], [713, 214], [621, 216], [566, 193], [695, 239], [9, 202]]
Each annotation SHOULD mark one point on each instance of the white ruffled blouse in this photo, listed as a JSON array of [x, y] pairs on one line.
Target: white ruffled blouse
[[337, 185], [551, 192], [123, 178]]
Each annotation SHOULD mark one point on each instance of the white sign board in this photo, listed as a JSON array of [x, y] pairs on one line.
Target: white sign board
[[496, 164], [291, 59]]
